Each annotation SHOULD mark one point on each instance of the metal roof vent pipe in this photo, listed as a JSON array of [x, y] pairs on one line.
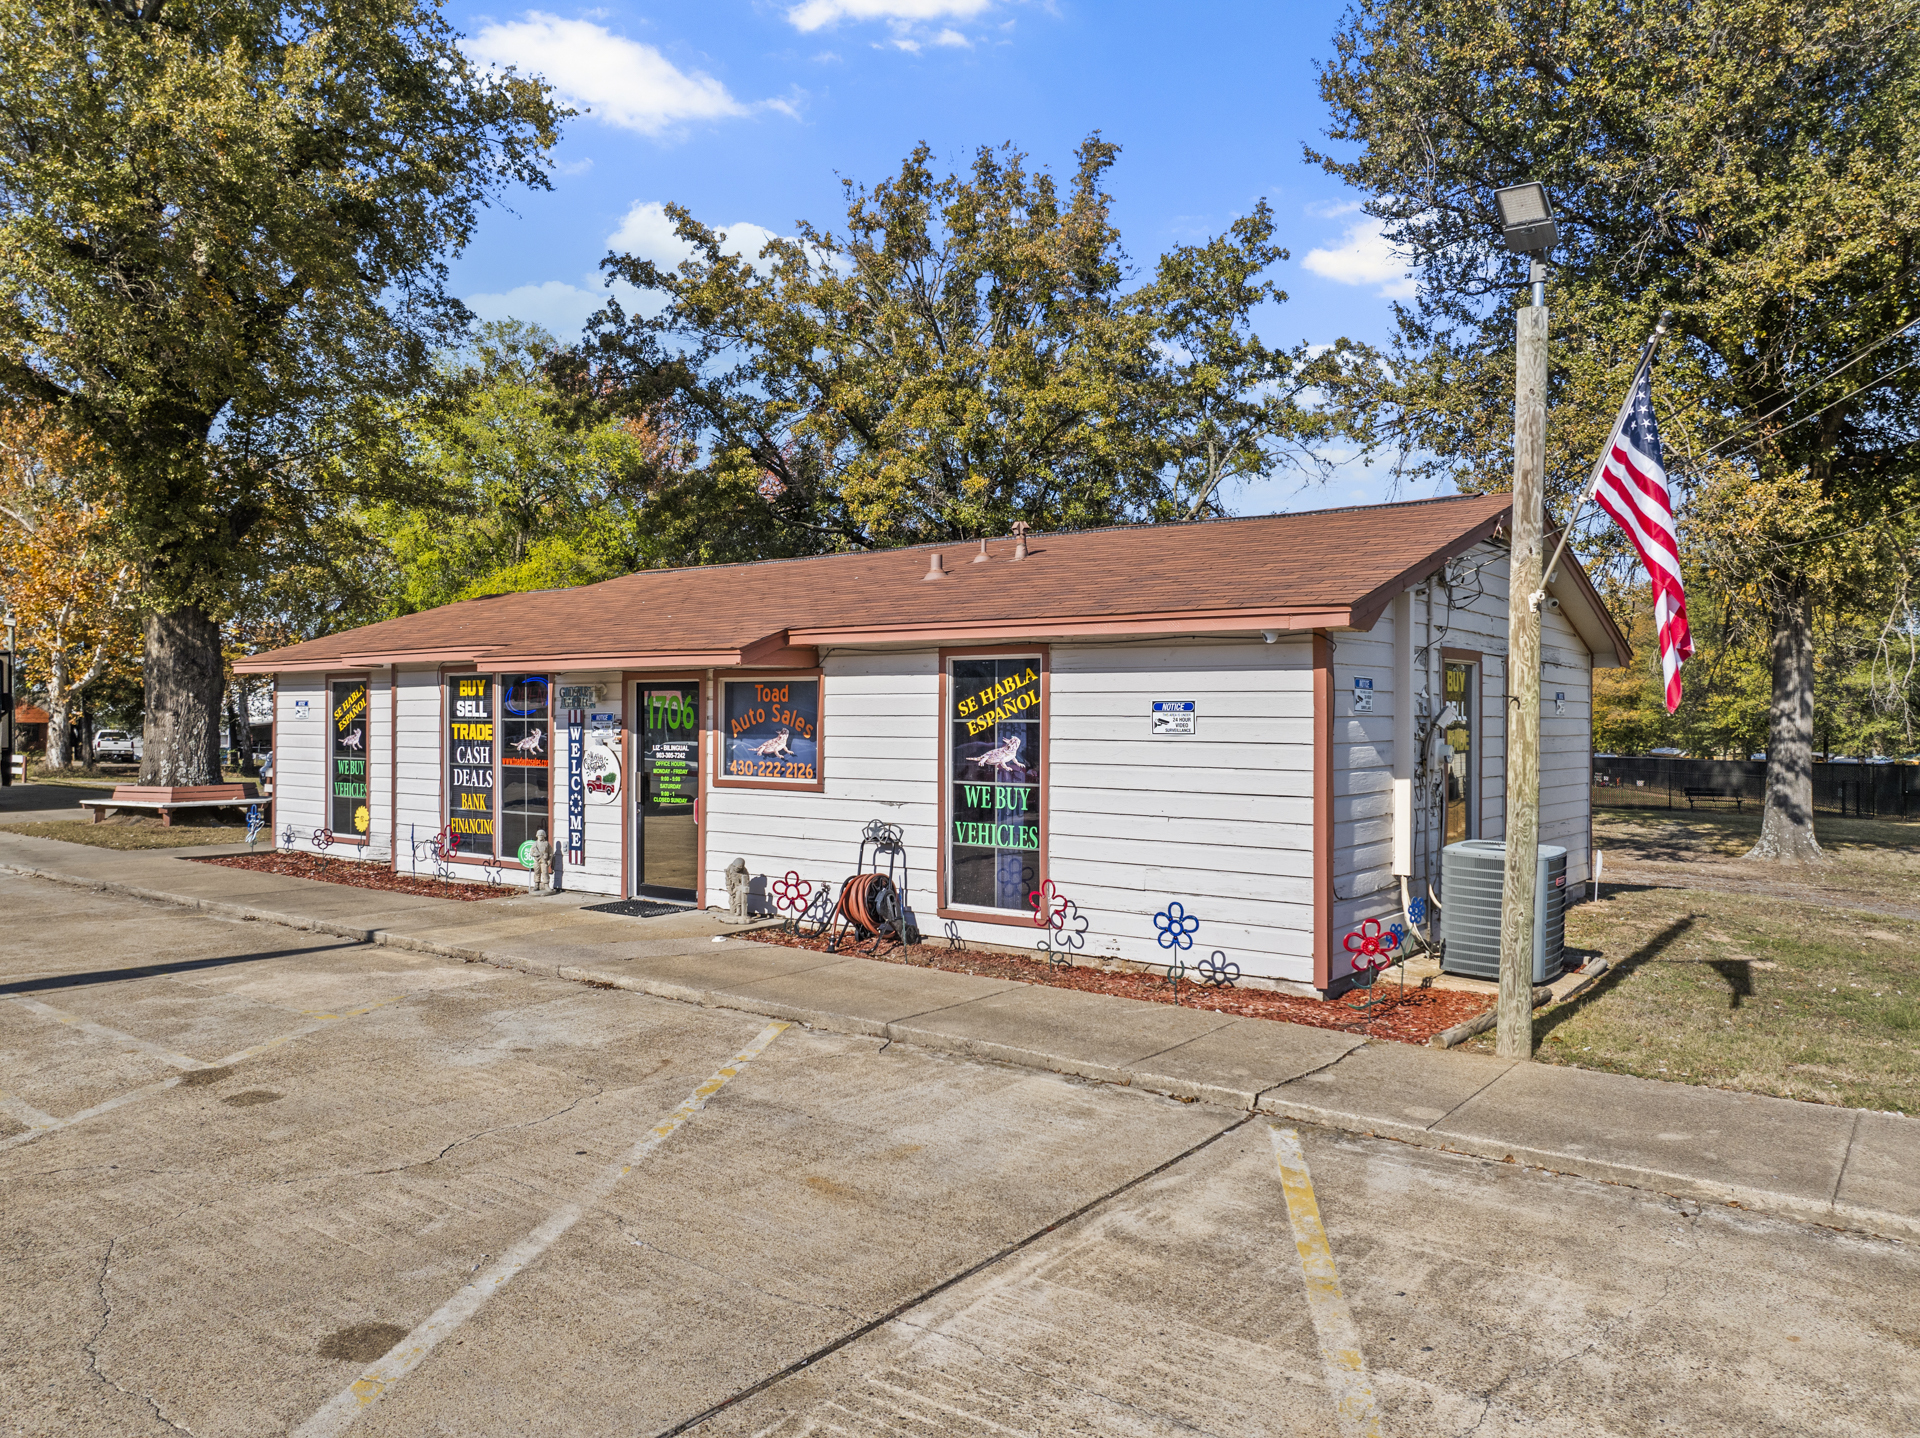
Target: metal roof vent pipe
[[936, 567], [982, 556], [1020, 539]]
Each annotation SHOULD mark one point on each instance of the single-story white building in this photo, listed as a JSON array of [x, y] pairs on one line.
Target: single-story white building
[[1272, 722]]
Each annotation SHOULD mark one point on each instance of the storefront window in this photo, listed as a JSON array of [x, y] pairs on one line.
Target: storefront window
[[347, 813], [772, 731], [994, 792], [470, 763], [526, 761], [1461, 822]]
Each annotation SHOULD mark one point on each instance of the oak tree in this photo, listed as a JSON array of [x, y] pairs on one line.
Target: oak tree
[[969, 351], [1752, 166], [72, 595], [223, 231]]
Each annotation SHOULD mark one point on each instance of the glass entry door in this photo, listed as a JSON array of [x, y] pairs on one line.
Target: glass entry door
[[667, 790]]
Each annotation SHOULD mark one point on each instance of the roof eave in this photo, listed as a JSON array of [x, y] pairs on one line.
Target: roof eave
[[1175, 621], [1367, 611]]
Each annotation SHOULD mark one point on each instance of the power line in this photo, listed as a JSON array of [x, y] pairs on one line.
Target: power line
[[1841, 368], [1870, 384], [1843, 533]]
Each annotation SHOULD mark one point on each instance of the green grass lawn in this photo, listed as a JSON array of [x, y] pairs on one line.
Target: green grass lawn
[[142, 833], [1805, 997]]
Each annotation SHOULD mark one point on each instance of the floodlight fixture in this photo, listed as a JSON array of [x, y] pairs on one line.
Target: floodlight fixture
[[1526, 218]]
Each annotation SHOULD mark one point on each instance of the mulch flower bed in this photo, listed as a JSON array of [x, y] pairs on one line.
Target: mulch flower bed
[[359, 875], [1409, 1016]]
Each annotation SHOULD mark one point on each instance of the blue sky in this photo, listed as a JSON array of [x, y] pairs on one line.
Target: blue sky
[[749, 112]]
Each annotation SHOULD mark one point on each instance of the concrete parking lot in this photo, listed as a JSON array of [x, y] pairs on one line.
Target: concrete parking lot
[[257, 1181]]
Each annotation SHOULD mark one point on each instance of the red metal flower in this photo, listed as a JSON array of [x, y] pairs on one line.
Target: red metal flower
[[1049, 906], [790, 894], [1372, 945]]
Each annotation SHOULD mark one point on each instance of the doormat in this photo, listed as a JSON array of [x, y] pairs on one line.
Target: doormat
[[637, 909]]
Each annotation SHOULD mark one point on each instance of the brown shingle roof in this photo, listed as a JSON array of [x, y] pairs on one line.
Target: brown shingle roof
[[1331, 568]]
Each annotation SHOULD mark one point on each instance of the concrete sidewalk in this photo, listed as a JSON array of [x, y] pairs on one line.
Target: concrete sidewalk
[[1843, 1167]]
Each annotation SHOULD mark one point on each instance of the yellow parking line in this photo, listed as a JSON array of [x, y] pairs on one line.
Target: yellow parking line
[[1346, 1368], [23, 1112], [45, 1123], [340, 1411], [101, 1031]]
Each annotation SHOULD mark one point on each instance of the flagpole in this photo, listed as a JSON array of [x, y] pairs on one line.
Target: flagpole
[[1606, 452]]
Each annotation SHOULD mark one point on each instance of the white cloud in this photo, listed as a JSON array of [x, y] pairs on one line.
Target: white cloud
[[817, 14], [647, 234], [1364, 257], [557, 307], [621, 81], [954, 38]]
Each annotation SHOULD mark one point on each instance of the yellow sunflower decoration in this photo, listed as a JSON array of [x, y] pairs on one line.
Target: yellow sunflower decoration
[[361, 819]]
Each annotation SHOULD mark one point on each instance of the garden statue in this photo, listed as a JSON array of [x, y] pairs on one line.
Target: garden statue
[[737, 893], [540, 860]]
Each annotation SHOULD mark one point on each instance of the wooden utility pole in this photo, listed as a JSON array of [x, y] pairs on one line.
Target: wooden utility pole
[[1514, 1036]]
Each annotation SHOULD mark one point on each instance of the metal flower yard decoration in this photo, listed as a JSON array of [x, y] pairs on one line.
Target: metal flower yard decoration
[[1047, 903], [256, 821], [1218, 971], [791, 894], [1176, 927], [1417, 910], [323, 839], [1372, 946], [1066, 934], [287, 839]]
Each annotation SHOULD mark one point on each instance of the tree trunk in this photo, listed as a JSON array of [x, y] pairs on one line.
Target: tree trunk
[[185, 683], [59, 717], [1786, 827], [59, 737]]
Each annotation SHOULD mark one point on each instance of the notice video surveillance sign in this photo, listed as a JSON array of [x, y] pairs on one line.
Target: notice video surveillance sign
[[1173, 716]]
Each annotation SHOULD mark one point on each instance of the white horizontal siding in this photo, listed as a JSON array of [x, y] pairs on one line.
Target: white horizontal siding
[[879, 728], [1219, 821]]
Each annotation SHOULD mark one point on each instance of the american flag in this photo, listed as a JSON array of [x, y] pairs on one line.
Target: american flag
[[1632, 487]]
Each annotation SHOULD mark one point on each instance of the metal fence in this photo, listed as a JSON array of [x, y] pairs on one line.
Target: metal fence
[[1873, 791]]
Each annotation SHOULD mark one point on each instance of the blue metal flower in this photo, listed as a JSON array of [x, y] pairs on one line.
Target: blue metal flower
[[1417, 910], [1176, 926]]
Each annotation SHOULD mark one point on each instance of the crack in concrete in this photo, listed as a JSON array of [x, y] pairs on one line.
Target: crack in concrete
[[483, 1133], [91, 1346], [1608, 1329], [1332, 1063], [1853, 1137], [926, 1295]]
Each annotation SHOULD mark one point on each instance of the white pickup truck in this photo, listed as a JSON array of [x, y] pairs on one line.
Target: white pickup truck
[[116, 746]]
